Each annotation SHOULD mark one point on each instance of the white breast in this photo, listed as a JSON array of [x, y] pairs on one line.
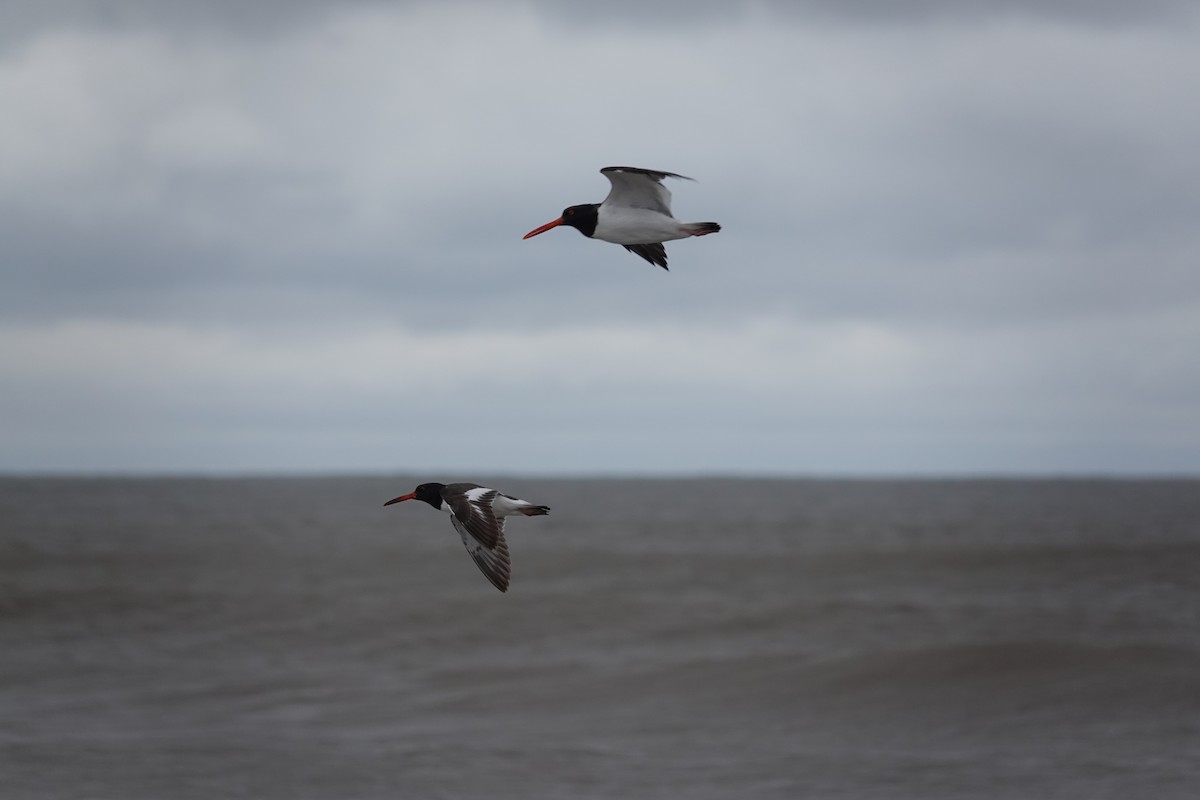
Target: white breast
[[626, 225]]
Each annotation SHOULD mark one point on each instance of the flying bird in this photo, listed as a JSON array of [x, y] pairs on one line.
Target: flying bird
[[636, 214], [478, 515]]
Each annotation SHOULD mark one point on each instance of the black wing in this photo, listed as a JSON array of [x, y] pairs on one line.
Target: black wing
[[656, 254], [492, 560], [473, 508]]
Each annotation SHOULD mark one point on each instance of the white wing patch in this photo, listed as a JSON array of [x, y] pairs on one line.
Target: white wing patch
[[476, 494], [638, 189]]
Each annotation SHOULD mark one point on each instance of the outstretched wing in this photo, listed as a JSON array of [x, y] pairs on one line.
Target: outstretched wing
[[654, 253], [634, 187], [492, 560], [473, 508]]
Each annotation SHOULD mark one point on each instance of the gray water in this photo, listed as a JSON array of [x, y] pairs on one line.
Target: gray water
[[292, 638]]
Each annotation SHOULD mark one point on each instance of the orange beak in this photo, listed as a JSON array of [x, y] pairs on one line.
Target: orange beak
[[401, 498], [552, 224]]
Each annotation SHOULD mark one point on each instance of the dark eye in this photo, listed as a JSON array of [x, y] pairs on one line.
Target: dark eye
[[570, 213]]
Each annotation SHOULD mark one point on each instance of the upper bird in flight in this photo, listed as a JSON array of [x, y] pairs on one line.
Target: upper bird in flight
[[478, 515], [636, 214]]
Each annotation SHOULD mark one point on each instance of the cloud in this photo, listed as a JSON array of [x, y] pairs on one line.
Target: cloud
[[241, 234], [773, 395], [257, 19]]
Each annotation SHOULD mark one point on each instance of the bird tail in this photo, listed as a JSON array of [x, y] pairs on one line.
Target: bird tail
[[534, 511], [700, 228]]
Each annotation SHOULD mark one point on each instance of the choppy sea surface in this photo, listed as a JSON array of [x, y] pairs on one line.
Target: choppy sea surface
[[292, 638]]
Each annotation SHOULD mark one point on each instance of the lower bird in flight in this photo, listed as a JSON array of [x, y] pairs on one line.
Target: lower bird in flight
[[636, 214], [478, 515]]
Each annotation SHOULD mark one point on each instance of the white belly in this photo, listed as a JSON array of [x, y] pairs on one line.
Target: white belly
[[625, 225]]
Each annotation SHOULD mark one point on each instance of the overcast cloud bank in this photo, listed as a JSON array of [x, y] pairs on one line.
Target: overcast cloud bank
[[271, 238]]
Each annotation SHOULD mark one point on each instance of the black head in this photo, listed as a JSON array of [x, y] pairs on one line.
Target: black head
[[429, 492], [582, 218]]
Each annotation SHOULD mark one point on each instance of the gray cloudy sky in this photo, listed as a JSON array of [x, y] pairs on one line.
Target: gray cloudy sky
[[279, 236]]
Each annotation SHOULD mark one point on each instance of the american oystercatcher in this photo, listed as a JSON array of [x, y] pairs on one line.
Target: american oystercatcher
[[478, 515], [636, 214]]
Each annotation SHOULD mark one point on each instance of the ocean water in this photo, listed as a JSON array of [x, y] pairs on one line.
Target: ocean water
[[292, 638]]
